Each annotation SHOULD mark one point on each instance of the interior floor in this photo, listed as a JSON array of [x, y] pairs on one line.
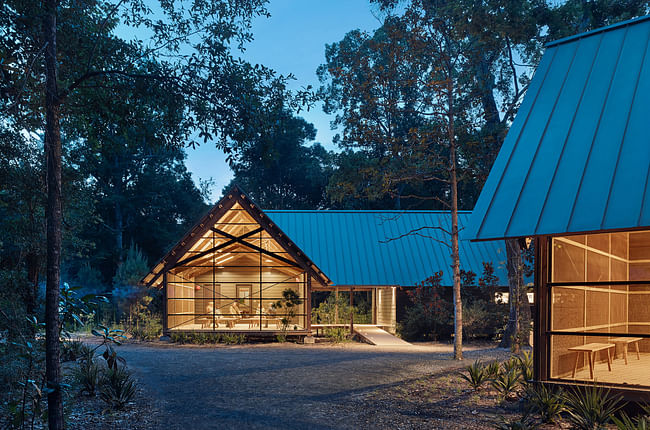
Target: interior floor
[[635, 372]]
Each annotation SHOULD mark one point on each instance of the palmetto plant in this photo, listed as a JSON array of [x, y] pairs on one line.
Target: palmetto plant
[[511, 364], [493, 369], [591, 407], [117, 387], [476, 375], [506, 382], [526, 422], [526, 365], [545, 401], [624, 422]]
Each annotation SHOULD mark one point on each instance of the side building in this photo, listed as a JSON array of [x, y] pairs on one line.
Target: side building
[[243, 269]]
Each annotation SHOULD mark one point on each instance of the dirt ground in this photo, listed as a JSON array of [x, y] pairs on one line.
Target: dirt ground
[[289, 386]]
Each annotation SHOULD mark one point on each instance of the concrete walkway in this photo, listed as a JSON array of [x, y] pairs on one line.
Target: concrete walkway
[[376, 336], [278, 386]]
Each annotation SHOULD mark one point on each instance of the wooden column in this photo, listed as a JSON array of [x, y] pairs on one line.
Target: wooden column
[[541, 340], [351, 311], [308, 303], [336, 305], [164, 319]]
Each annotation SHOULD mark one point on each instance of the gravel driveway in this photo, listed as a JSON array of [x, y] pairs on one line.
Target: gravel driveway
[[277, 386]]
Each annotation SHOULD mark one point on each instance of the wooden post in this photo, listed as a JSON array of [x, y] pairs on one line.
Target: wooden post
[[374, 305], [351, 311], [308, 302], [336, 305], [165, 294]]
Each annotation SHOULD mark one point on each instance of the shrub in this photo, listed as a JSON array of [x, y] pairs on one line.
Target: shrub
[[325, 313], [475, 316], [591, 407], [71, 350], [149, 328], [178, 338], [506, 383], [337, 334], [477, 375], [117, 387], [233, 339], [88, 374], [545, 401]]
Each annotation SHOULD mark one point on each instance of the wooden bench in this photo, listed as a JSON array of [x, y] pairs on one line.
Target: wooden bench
[[590, 350], [624, 342]]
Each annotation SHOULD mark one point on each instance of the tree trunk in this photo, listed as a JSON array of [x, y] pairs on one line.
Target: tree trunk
[[519, 318], [455, 256], [54, 217]]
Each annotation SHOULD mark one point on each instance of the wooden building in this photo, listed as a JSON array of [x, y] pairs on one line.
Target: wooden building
[[231, 270], [573, 173]]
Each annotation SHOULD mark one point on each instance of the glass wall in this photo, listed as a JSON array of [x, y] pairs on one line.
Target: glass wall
[[236, 278], [600, 308]]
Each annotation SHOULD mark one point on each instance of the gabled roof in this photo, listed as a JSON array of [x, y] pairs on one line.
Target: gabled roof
[[577, 157], [236, 197], [354, 247]]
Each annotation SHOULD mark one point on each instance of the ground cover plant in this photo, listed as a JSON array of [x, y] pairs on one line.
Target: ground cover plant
[[469, 398]]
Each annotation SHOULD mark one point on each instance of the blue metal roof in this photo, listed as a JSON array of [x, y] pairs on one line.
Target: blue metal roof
[[350, 246], [577, 157]]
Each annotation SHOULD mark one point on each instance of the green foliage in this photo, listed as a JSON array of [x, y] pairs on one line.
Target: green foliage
[[88, 374], [134, 267], [591, 407], [290, 301], [71, 350], [109, 339], [506, 382], [325, 313], [337, 334], [493, 369], [73, 308], [625, 422], [117, 387], [511, 364], [526, 365], [148, 329], [430, 315], [280, 170], [525, 422], [477, 375], [475, 316], [549, 403], [208, 338]]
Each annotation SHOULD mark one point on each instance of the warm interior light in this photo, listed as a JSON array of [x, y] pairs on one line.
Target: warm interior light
[[225, 259]]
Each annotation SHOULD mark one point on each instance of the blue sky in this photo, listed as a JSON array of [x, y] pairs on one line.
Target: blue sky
[[292, 40]]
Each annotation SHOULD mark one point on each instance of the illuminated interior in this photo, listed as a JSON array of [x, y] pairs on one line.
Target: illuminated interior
[[236, 277], [600, 307]]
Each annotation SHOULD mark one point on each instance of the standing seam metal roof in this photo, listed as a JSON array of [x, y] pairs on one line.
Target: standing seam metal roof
[[350, 246], [577, 157]]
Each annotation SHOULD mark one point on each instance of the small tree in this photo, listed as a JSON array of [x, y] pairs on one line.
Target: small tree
[[290, 301], [126, 289]]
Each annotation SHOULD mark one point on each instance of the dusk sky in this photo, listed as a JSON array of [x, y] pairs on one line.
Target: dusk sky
[[292, 40]]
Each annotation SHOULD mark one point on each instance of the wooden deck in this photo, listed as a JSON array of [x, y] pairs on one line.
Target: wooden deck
[[636, 372]]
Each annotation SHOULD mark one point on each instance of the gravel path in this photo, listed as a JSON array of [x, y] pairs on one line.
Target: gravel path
[[278, 386]]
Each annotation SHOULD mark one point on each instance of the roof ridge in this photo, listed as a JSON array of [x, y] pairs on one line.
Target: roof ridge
[[362, 211], [593, 32]]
